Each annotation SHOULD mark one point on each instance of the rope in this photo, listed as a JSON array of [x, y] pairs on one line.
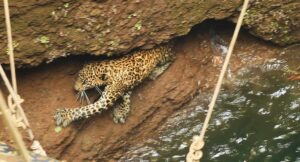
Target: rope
[[17, 100], [195, 152], [14, 100], [13, 129], [10, 46]]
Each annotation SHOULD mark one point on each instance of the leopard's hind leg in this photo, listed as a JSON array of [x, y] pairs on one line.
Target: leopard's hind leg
[[158, 71], [122, 109]]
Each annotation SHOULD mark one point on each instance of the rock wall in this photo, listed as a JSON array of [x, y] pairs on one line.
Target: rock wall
[[44, 30], [275, 20], [98, 138]]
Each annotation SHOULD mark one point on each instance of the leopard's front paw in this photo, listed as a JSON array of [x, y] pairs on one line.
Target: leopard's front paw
[[62, 117], [119, 119], [119, 116]]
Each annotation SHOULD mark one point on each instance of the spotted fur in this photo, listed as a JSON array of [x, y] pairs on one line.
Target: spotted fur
[[119, 76]]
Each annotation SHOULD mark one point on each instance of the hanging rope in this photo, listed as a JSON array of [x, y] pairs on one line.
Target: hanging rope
[[13, 129], [17, 103], [14, 100], [195, 152], [10, 46]]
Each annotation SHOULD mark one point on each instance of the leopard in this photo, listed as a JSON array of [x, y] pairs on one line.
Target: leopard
[[118, 76]]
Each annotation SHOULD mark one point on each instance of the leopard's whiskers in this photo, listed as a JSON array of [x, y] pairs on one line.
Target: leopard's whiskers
[[81, 99], [98, 90], [78, 95], [87, 98]]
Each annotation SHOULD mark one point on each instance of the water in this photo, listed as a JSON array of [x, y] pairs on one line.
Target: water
[[255, 120]]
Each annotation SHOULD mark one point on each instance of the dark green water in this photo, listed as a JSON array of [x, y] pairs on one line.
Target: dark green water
[[257, 119]]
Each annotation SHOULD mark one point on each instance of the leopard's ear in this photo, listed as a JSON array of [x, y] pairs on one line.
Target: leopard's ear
[[172, 43], [85, 62], [88, 64]]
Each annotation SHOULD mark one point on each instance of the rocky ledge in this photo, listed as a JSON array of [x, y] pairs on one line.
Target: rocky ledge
[[44, 30]]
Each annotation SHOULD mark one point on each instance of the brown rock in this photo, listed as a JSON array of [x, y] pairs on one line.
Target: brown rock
[[45, 30]]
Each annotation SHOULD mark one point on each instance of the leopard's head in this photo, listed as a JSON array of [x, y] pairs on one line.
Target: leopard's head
[[87, 78]]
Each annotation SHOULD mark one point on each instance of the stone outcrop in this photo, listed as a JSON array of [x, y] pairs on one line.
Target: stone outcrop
[[275, 20], [44, 30]]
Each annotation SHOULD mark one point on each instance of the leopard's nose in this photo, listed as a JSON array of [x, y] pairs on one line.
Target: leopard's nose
[[78, 86]]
